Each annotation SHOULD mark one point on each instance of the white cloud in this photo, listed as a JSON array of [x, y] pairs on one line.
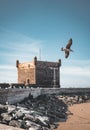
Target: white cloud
[[8, 74], [7, 67], [76, 75], [76, 71]]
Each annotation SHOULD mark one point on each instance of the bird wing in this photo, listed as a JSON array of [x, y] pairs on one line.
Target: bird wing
[[66, 54], [69, 44]]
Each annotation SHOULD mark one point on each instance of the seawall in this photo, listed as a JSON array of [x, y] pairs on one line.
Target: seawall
[[15, 95]]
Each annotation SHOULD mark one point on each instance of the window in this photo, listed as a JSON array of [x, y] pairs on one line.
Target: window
[[28, 81]]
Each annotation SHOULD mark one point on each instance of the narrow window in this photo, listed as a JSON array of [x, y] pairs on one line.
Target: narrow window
[[28, 81]]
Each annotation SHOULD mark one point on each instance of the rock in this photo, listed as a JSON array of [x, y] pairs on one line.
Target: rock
[[45, 128], [11, 108], [41, 113], [29, 117], [80, 100], [34, 128], [15, 123], [31, 128], [3, 108], [23, 110], [32, 125], [53, 126], [28, 123], [43, 121], [6, 117], [19, 115]]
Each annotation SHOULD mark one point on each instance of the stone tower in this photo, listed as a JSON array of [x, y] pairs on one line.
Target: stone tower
[[39, 73]]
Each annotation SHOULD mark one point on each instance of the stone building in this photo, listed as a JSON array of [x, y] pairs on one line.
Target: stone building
[[39, 73]]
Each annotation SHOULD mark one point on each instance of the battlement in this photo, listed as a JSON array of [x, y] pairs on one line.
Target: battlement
[[41, 73]]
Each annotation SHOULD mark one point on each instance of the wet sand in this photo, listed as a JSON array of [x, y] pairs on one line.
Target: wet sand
[[80, 120]]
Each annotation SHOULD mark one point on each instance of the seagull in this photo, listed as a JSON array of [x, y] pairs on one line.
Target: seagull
[[67, 49]]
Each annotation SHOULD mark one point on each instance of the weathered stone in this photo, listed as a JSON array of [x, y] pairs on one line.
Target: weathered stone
[[32, 125], [15, 123], [19, 114], [34, 128], [6, 117], [39, 72], [28, 117], [42, 114], [31, 128], [23, 110], [43, 121], [11, 108], [3, 108]]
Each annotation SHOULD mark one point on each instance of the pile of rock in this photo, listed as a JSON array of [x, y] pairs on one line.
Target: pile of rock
[[74, 99], [41, 113]]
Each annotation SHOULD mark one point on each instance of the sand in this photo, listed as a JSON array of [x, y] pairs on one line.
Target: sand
[[80, 120]]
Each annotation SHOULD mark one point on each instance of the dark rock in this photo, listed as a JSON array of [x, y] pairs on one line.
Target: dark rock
[[41, 113], [53, 126], [3, 108], [29, 117], [45, 128], [43, 121]]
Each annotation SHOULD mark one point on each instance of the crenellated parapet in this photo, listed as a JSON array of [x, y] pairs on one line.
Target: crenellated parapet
[[41, 73]]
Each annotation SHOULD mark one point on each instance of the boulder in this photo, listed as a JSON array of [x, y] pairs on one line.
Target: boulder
[[15, 123], [6, 117], [3, 108]]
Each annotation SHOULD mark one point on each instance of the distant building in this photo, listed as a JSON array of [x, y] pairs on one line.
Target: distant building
[[39, 73]]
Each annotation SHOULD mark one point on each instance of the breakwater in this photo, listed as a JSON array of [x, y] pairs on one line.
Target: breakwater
[[41, 113]]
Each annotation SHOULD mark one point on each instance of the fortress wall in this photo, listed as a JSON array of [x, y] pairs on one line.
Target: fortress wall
[[45, 73], [14, 95], [3, 95], [41, 73], [40, 91]]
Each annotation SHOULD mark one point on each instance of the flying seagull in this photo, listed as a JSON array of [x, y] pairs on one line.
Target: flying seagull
[[67, 49]]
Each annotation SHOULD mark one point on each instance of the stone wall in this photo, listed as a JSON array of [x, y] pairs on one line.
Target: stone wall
[[14, 95], [26, 73], [3, 95], [46, 75], [41, 73], [59, 91]]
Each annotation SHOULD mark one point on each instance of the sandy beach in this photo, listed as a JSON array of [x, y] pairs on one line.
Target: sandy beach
[[79, 120]]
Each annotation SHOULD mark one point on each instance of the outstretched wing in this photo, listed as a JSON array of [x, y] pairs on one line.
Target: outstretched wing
[[69, 44], [66, 54]]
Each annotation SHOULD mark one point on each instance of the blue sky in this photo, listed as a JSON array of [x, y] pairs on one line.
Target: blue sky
[[28, 26]]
